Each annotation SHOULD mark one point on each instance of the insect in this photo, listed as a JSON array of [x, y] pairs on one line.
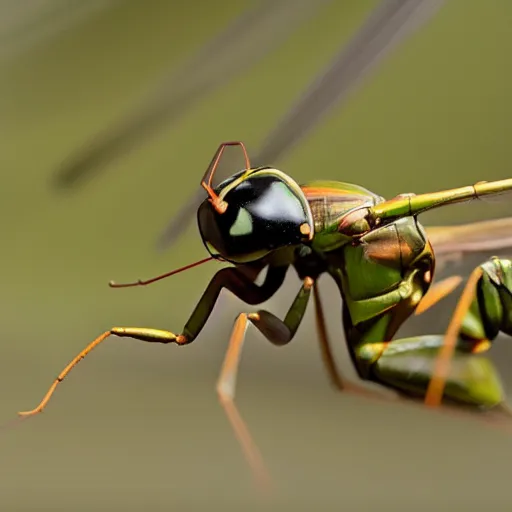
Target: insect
[[376, 251], [383, 263]]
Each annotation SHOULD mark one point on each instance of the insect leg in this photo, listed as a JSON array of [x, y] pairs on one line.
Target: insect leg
[[478, 317], [278, 332], [452, 364], [339, 380], [409, 364], [437, 292], [232, 279], [436, 386]]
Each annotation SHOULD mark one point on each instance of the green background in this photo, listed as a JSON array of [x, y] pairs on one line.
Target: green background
[[139, 426]]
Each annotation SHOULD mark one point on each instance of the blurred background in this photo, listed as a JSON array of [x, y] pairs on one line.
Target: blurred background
[[138, 426]]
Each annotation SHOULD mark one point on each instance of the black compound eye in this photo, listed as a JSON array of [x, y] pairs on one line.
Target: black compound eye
[[209, 228], [279, 204], [264, 213]]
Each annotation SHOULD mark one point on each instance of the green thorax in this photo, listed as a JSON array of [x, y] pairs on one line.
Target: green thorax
[[382, 278], [329, 202]]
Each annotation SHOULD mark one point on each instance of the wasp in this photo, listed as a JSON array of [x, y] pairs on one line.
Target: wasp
[[383, 263], [377, 252]]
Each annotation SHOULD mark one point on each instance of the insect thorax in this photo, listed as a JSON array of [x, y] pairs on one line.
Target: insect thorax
[[385, 275], [331, 200]]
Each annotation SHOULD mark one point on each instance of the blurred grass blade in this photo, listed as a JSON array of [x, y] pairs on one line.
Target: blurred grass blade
[[246, 40], [389, 24]]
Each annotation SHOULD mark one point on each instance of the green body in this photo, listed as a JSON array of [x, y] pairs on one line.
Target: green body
[[383, 263], [381, 259], [379, 255]]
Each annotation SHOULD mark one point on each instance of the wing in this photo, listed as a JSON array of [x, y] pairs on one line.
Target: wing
[[230, 53], [390, 24], [452, 243]]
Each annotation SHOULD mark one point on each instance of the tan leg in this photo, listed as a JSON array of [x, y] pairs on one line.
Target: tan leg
[[140, 333], [437, 292], [277, 331], [435, 389], [226, 386]]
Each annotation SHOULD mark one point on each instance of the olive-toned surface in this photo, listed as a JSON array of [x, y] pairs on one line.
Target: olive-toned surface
[[138, 427]]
